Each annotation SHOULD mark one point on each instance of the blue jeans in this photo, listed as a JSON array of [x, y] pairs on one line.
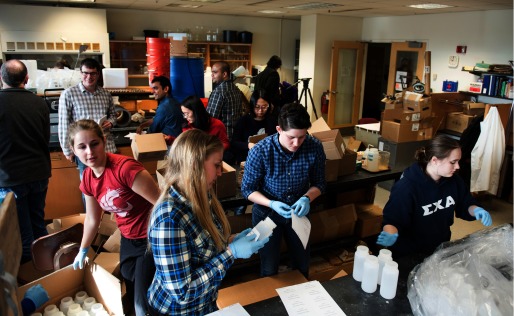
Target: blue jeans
[[30, 204], [81, 166], [270, 253]]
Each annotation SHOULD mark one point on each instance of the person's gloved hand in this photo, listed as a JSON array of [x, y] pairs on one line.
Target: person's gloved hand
[[79, 259], [484, 216], [242, 234], [281, 208], [302, 206], [34, 298], [246, 246], [386, 239]]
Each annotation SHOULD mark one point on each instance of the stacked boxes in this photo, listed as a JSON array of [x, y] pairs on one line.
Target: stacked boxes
[[413, 122]]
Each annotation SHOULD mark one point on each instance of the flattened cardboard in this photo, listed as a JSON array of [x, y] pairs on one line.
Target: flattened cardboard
[[149, 147], [257, 290]]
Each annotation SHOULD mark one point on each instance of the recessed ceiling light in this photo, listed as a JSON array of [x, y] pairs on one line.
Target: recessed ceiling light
[[312, 6], [430, 6], [270, 12]]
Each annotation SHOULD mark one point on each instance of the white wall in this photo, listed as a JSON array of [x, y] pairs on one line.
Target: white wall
[[317, 35], [270, 36], [487, 35], [74, 24]]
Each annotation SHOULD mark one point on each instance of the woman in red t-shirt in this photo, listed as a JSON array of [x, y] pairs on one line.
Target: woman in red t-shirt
[[120, 185]]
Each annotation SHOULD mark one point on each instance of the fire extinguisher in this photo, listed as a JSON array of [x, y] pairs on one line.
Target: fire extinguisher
[[325, 98]]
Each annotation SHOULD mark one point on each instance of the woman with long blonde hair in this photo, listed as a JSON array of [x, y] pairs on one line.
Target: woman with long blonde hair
[[189, 233]]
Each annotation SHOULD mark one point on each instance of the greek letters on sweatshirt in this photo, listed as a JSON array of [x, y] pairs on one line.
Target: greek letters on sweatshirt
[[423, 210]]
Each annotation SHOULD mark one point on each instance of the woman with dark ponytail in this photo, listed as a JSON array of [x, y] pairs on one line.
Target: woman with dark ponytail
[[422, 204]]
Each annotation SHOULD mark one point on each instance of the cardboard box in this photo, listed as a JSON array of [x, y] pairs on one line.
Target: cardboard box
[[226, 183], [369, 220], [475, 87], [331, 140], [403, 116], [353, 144], [408, 132], [93, 279], [457, 121], [473, 108], [178, 47], [109, 261], [332, 169], [257, 138], [415, 102], [113, 243], [149, 147], [347, 164], [257, 290], [332, 223]]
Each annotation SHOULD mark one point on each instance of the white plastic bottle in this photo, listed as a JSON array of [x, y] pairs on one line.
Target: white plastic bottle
[[383, 256], [370, 274], [358, 262], [65, 304], [373, 159], [88, 302], [74, 309], [389, 280], [207, 82], [50, 310], [80, 297]]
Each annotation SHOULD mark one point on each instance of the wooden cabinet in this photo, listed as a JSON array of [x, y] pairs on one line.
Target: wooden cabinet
[[132, 55], [64, 196]]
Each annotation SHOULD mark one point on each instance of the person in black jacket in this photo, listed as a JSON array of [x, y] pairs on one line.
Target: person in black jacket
[[269, 81], [24, 155]]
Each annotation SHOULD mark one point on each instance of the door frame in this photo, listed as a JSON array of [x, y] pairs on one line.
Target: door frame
[[356, 103], [404, 46]]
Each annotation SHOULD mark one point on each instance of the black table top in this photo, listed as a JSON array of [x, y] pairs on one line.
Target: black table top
[[347, 293]]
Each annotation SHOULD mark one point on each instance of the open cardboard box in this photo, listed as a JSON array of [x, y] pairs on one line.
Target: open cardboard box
[[93, 279], [226, 183], [331, 139], [416, 102], [149, 147]]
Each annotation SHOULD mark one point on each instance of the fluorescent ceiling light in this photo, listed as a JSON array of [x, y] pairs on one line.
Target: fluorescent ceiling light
[[188, 6], [91, 1], [312, 6], [430, 6], [270, 12]]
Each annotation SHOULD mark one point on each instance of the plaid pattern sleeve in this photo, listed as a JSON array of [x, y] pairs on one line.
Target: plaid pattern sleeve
[[284, 176], [189, 269], [77, 103]]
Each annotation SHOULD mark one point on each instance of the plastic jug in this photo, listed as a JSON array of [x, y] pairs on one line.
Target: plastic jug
[[373, 159]]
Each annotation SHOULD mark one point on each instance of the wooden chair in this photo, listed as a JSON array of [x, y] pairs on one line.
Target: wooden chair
[[57, 250]]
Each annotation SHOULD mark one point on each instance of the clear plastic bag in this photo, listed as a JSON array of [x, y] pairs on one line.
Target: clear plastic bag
[[470, 276]]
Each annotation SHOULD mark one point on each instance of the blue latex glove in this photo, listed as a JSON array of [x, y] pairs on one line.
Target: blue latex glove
[[386, 239], [302, 206], [79, 259], [282, 209], [246, 246], [484, 216], [242, 234], [34, 298]]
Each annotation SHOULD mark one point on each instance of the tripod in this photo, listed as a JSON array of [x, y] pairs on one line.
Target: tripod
[[306, 91]]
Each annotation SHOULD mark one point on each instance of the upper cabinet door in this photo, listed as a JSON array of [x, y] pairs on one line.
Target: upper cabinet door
[[407, 62], [345, 84]]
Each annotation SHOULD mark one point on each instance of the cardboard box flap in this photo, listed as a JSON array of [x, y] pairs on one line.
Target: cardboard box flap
[[319, 125], [256, 138], [353, 144], [10, 242]]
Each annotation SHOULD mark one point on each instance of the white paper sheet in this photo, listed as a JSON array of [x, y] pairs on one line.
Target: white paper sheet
[[309, 298], [232, 310], [302, 227], [263, 229]]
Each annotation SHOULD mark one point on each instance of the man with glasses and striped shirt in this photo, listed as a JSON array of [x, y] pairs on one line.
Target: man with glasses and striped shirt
[[86, 100]]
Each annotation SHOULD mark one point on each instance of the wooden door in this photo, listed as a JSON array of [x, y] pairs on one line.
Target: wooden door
[[345, 83], [407, 62]]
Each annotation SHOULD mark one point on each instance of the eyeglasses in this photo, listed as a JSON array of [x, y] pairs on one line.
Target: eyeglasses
[[92, 74], [186, 115], [261, 108]]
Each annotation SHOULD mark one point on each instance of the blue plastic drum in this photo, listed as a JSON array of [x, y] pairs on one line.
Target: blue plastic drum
[[186, 77]]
